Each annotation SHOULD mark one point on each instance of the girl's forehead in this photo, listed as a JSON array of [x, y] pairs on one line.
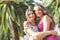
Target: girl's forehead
[[30, 11], [36, 7]]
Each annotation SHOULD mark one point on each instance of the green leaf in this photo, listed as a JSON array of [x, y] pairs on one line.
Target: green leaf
[[12, 14], [47, 2], [1, 5], [3, 16], [18, 21]]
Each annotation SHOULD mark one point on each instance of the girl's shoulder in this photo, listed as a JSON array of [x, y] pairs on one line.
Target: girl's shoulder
[[25, 23], [47, 18]]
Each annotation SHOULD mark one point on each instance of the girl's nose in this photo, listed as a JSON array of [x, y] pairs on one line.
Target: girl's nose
[[31, 15]]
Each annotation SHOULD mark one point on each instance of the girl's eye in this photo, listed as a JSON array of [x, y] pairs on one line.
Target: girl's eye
[[28, 14]]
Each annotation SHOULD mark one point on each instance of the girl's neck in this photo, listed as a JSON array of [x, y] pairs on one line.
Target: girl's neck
[[32, 22], [41, 16]]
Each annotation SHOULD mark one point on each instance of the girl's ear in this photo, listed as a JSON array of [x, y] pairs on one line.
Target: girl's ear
[[45, 11]]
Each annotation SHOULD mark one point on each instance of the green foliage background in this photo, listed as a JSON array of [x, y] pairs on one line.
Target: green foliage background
[[15, 11]]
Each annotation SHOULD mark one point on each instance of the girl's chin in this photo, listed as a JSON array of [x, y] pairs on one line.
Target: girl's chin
[[32, 18], [39, 16]]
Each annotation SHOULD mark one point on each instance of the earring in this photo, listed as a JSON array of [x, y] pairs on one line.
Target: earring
[[45, 11]]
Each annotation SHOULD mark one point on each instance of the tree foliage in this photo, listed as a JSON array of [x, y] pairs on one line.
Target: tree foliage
[[12, 16]]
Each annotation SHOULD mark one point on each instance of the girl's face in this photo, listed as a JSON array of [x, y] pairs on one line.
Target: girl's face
[[30, 16], [38, 11]]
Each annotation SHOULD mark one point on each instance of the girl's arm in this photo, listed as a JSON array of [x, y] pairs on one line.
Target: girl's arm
[[46, 23], [41, 35]]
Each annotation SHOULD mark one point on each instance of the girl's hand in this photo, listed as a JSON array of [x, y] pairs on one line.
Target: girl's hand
[[36, 36], [54, 33]]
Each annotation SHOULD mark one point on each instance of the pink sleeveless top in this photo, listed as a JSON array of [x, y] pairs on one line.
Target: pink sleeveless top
[[49, 37], [41, 25]]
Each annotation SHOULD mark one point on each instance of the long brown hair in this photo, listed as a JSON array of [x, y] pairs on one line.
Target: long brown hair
[[44, 10]]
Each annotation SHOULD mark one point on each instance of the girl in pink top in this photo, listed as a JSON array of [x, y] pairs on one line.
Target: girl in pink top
[[46, 22]]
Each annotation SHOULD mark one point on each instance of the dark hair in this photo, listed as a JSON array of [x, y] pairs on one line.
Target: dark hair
[[44, 10]]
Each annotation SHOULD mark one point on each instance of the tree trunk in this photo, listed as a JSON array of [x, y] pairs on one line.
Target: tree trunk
[[13, 30]]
